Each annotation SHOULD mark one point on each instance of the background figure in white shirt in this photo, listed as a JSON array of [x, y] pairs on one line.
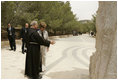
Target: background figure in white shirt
[[42, 32]]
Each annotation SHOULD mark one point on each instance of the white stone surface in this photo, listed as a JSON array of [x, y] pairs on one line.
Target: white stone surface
[[104, 61], [67, 59]]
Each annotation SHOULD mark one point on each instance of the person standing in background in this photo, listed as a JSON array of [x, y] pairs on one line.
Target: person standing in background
[[23, 37], [11, 37], [43, 49]]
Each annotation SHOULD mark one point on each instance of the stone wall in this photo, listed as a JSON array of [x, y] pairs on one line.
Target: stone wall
[[103, 63]]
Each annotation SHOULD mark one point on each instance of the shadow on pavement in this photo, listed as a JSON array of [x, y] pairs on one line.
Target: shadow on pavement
[[74, 74]]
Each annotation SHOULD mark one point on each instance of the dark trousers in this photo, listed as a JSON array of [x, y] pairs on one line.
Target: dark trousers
[[23, 45], [12, 42]]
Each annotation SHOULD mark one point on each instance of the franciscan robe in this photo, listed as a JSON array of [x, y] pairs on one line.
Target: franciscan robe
[[33, 59]]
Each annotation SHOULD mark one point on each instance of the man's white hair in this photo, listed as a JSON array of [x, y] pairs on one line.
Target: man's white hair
[[33, 23]]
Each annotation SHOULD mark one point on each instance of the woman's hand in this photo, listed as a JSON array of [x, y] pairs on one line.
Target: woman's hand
[[52, 42]]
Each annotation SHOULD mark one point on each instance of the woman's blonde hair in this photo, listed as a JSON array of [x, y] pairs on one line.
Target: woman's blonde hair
[[43, 24]]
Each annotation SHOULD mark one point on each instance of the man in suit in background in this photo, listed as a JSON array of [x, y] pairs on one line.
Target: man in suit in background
[[11, 37], [24, 37]]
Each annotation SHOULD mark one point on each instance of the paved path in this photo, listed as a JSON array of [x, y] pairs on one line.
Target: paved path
[[67, 59]]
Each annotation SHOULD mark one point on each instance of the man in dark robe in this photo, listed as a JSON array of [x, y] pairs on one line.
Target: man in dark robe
[[33, 56], [24, 37], [11, 37]]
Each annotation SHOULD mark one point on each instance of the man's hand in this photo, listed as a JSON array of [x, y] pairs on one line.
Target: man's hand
[[52, 42]]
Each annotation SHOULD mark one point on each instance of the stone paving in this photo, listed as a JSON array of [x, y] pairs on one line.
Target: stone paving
[[67, 59]]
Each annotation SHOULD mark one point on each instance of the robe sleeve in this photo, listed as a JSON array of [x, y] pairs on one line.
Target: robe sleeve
[[41, 40]]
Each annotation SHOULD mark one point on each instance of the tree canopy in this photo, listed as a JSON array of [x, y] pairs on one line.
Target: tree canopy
[[57, 15]]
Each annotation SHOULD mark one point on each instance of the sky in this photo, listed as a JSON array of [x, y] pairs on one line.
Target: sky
[[84, 9]]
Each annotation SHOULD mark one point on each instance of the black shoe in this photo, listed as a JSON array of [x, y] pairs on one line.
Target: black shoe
[[40, 76], [36, 77], [23, 52], [14, 49], [10, 49]]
